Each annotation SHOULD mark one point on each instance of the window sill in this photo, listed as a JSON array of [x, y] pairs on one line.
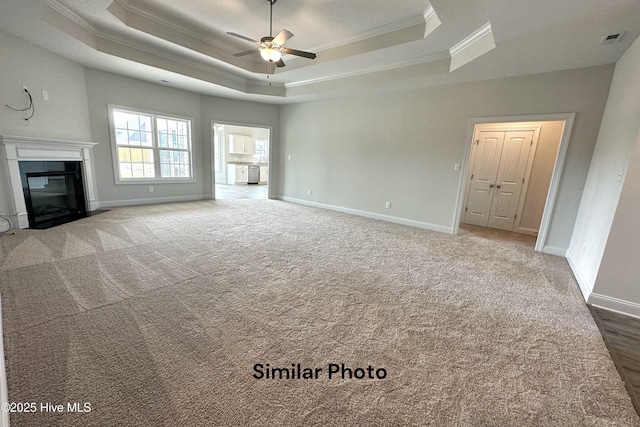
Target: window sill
[[155, 181]]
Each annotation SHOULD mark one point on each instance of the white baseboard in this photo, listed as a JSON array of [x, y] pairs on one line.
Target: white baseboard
[[151, 201], [552, 250], [614, 304], [585, 287], [528, 231], [372, 215], [602, 301]]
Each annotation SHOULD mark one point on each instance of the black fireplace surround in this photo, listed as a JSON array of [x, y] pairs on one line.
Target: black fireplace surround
[[53, 192]]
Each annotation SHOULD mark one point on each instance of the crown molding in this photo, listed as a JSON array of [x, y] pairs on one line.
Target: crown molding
[[432, 21], [409, 22], [471, 39], [473, 46], [407, 62]]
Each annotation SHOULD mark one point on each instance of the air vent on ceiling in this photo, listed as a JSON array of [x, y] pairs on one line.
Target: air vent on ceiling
[[611, 38]]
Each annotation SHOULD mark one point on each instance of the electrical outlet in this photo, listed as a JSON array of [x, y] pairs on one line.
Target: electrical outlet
[[456, 166], [308, 192], [45, 95], [289, 157], [387, 205], [151, 189]]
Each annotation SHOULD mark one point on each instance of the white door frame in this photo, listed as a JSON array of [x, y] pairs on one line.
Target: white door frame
[[568, 119], [247, 125]]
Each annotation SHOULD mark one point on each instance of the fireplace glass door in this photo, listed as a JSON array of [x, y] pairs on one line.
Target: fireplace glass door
[[54, 197]]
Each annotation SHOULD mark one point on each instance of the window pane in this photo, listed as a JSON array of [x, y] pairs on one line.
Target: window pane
[[136, 155], [124, 154], [119, 119], [165, 170], [182, 142], [163, 139], [162, 125], [149, 171], [134, 137], [172, 127], [137, 170], [122, 136], [125, 170], [133, 122], [146, 139], [145, 123]]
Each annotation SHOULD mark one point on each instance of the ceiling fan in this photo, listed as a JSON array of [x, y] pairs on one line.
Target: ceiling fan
[[271, 48]]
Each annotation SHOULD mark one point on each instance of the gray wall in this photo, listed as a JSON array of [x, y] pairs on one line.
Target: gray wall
[[106, 88], [359, 152], [541, 172], [606, 241], [63, 116]]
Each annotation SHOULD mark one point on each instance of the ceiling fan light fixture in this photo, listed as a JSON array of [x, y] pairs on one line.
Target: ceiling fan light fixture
[[270, 54]]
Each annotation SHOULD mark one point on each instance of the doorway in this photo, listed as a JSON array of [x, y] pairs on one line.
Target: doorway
[[240, 161], [511, 173], [501, 162]]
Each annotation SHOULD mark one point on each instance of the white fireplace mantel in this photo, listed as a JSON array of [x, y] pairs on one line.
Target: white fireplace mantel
[[24, 148]]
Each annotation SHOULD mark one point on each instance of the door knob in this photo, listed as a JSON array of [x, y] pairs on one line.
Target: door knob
[[498, 186], [490, 185]]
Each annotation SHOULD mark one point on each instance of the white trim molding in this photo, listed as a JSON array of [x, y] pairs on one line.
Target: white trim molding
[[473, 46], [552, 250], [22, 148], [153, 201], [614, 304], [371, 215], [585, 287], [431, 21]]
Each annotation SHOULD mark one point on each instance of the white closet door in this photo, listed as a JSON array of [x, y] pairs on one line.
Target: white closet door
[[485, 160], [510, 177]]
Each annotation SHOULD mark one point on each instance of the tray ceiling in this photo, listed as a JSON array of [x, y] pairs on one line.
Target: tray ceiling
[[361, 44]]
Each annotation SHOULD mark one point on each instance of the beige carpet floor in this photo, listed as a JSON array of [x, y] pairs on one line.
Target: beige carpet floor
[[156, 316]]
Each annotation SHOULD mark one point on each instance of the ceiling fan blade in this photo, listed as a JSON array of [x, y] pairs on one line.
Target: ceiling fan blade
[[282, 37], [280, 63], [299, 53], [240, 36], [247, 52]]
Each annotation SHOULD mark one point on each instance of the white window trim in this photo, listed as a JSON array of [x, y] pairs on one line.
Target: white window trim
[[114, 147]]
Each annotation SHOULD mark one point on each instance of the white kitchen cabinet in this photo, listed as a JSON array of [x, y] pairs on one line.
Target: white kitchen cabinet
[[237, 174], [264, 174], [240, 144]]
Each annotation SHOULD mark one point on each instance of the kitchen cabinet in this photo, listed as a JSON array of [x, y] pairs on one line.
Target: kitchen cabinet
[[240, 144], [264, 174], [237, 174]]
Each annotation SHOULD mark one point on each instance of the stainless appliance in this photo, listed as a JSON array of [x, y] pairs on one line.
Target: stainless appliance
[[254, 174]]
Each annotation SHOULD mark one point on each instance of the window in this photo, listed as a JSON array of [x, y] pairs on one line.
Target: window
[[262, 149], [150, 147]]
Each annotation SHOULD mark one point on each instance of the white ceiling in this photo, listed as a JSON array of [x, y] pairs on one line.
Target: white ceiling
[[361, 44]]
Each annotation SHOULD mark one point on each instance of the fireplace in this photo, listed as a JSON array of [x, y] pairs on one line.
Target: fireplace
[[45, 182], [53, 192]]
